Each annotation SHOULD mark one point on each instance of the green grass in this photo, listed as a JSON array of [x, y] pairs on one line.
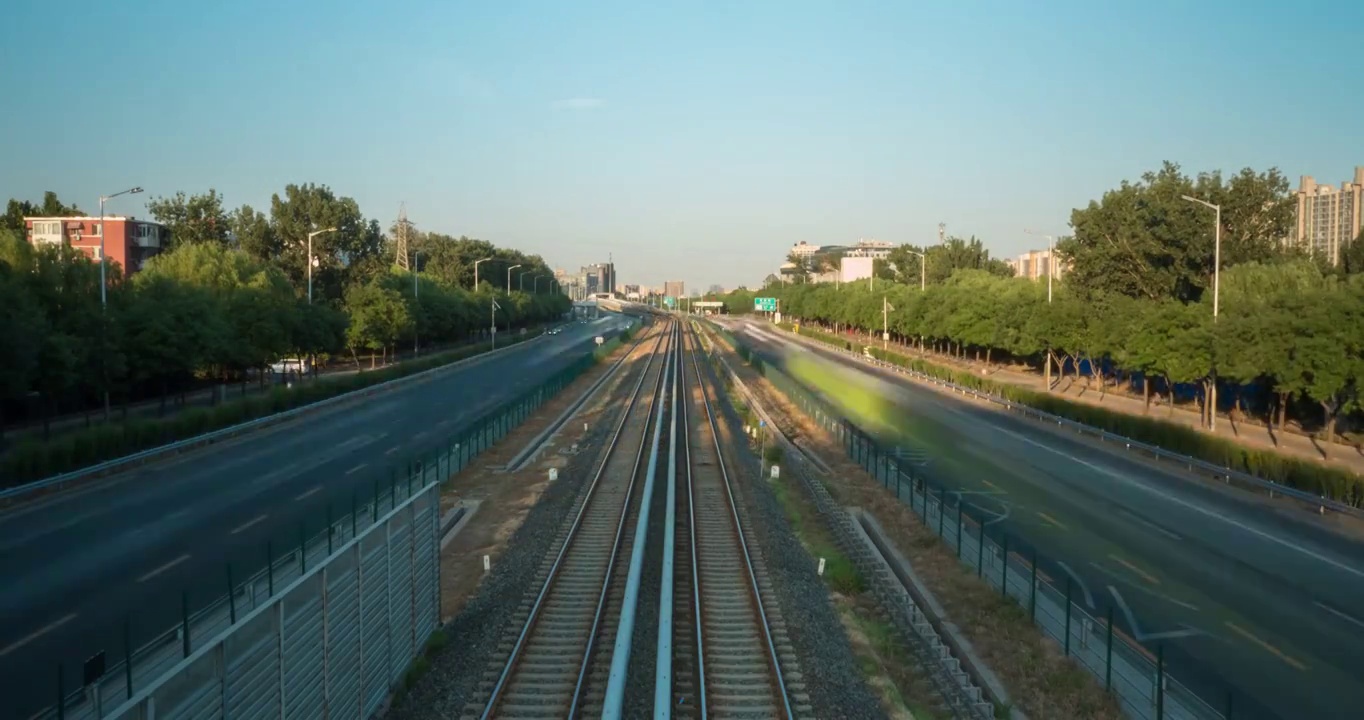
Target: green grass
[[839, 573]]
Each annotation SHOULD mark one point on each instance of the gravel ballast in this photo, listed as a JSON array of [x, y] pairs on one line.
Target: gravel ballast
[[472, 636], [835, 686]]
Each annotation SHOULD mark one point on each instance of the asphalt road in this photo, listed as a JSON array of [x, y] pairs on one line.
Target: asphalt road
[[1243, 595], [76, 566]]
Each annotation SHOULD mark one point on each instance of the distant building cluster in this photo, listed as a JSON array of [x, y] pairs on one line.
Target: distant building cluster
[[845, 263], [127, 241], [1037, 264], [589, 280]]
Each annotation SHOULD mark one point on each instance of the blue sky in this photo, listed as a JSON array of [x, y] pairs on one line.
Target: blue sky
[[693, 141]]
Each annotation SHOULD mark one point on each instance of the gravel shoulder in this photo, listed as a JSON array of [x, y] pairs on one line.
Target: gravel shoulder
[[518, 517], [1039, 679]]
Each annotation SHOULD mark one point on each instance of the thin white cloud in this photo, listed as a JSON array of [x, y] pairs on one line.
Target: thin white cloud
[[579, 103]]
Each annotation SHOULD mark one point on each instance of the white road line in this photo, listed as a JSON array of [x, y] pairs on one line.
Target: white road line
[[1150, 524], [356, 469], [1327, 608], [163, 568], [36, 634], [1089, 598], [308, 494], [391, 450], [1191, 506], [249, 524]]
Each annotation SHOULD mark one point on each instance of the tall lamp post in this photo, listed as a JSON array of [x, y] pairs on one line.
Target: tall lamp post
[[103, 292], [509, 279], [536, 285], [311, 260], [1216, 278], [103, 297], [476, 264], [416, 297], [1051, 270]]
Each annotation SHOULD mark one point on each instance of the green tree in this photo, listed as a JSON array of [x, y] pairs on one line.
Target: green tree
[[379, 317], [198, 218], [51, 206], [253, 234], [1144, 240]]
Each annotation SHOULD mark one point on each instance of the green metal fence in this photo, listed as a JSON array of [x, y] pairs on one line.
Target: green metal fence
[[1135, 673], [144, 660]]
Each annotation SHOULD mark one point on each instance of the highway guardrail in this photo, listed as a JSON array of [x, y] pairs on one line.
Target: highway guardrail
[[1193, 464]]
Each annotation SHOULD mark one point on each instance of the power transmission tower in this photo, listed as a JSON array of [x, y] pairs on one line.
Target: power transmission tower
[[942, 230], [400, 239]]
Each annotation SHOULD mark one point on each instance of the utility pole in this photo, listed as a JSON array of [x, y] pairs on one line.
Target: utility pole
[[493, 323], [885, 323], [942, 231], [1216, 282]]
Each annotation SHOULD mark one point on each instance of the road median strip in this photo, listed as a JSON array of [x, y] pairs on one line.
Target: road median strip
[[29, 461]]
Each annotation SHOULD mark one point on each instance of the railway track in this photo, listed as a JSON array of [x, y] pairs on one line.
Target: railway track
[[727, 647], [555, 661]]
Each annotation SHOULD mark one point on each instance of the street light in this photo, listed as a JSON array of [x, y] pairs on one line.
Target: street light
[[312, 260], [509, 276], [535, 287], [1216, 278], [103, 291], [416, 297], [522, 277], [1051, 260], [923, 269], [476, 264], [103, 297]]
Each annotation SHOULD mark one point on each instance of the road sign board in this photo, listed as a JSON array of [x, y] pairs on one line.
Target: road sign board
[[765, 304], [670, 301]]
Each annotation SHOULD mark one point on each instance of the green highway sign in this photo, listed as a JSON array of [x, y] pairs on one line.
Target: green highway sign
[[765, 304], [670, 301]]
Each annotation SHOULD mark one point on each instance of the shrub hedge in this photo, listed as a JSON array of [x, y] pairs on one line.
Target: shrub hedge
[[34, 460], [1334, 483]]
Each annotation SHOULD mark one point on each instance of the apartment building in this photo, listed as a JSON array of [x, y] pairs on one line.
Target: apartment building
[[128, 242], [674, 288], [1329, 218], [1034, 265]]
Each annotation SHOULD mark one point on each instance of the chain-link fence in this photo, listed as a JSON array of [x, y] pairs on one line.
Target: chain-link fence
[[305, 631], [1137, 675]]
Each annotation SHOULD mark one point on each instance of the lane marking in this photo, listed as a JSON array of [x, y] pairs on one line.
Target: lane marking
[[391, 450], [36, 634], [1267, 647], [356, 469], [1089, 599], [1148, 577], [1143, 588], [1339, 614], [995, 487], [309, 493], [249, 523], [1189, 505], [163, 568], [1150, 525], [1052, 520]]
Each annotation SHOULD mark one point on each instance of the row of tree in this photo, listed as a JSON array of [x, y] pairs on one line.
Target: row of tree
[[1135, 302], [228, 296]]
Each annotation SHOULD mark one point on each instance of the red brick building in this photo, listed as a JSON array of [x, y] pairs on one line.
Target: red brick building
[[127, 241]]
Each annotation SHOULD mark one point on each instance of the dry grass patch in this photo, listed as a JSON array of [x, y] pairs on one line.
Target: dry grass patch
[[1039, 679], [505, 498]]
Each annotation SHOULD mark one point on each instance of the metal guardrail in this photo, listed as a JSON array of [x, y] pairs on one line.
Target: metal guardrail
[[1192, 463], [150, 454], [144, 666], [1138, 677]]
